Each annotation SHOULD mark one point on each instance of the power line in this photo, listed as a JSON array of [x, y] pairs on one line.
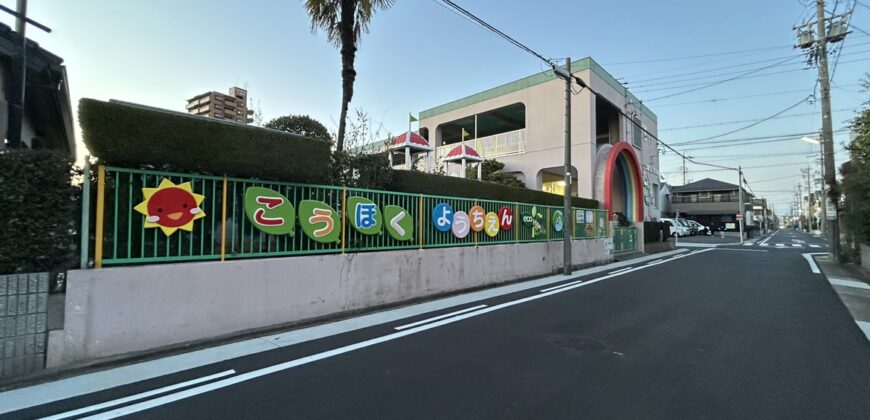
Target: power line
[[731, 98], [690, 57], [744, 74], [706, 74], [802, 101], [803, 114]]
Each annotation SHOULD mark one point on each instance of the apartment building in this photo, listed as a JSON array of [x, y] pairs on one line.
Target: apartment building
[[521, 124], [230, 107]]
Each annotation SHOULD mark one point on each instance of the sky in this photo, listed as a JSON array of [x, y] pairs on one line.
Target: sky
[[420, 54]]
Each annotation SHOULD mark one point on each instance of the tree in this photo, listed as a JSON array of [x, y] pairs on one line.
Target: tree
[[302, 125], [490, 173], [856, 177], [344, 21]]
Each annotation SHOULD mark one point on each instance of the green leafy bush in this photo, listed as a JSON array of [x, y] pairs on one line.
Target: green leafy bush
[[368, 170], [38, 206], [129, 135], [655, 231], [424, 183]]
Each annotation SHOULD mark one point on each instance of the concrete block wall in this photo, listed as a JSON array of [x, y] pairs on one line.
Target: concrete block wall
[[115, 311], [23, 304]]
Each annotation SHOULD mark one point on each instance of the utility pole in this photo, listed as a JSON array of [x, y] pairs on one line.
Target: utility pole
[[827, 130], [567, 217], [800, 203], [740, 210], [16, 97], [810, 217]]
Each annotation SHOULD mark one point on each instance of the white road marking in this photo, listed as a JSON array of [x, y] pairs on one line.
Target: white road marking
[[741, 250], [797, 246], [848, 283], [815, 246], [435, 318], [620, 270], [763, 244], [191, 392], [865, 328], [748, 244], [780, 245], [654, 262], [139, 396], [61, 389], [809, 257]]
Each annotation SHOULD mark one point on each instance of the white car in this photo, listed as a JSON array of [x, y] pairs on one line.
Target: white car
[[702, 230], [677, 229]]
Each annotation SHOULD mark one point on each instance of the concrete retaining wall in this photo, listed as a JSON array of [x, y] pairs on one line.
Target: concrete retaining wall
[[121, 310]]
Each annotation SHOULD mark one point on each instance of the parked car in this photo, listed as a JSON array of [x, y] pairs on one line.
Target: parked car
[[678, 229], [701, 229], [692, 229]]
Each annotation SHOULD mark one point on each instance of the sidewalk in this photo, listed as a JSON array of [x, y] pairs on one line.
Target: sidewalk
[[852, 287]]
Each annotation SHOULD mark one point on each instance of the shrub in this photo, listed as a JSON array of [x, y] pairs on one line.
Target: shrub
[[655, 231], [371, 171], [425, 183], [38, 204], [302, 125], [133, 136]]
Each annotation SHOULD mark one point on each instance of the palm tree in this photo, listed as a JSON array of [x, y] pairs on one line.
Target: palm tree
[[344, 21]]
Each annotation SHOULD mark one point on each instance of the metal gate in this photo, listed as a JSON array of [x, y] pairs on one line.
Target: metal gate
[[624, 239]]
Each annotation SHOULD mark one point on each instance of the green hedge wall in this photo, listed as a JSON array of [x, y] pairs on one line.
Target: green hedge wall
[[425, 183], [133, 136], [38, 205]]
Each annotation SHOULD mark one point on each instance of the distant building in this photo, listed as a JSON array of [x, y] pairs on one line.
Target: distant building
[[521, 124], [712, 203], [229, 107], [48, 121]]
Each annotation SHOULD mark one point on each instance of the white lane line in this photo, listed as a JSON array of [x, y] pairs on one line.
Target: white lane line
[[815, 246], [809, 257], [763, 244], [797, 246], [139, 396], [742, 250], [748, 244], [654, 262], [780, 245], [435, 318], [848, 283], [865, 328], [620, 270]]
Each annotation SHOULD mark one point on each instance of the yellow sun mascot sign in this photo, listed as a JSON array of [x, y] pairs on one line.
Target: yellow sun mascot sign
[[171, 207]]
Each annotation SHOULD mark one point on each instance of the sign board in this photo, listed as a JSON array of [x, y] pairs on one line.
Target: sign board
[[739, 216], [730, 226], [830, 210]]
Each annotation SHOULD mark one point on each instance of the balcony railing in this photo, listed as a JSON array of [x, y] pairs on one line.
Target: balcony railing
[[503, 144]]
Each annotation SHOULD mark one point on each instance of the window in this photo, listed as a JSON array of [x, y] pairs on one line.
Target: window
[[218, 115], [637, 133], [655, 195]]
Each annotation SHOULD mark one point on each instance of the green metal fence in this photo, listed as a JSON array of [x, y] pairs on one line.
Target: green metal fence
[[624, 239], [226, 232]]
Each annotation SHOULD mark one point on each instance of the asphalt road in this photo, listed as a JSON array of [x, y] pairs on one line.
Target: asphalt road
[[730, 332]]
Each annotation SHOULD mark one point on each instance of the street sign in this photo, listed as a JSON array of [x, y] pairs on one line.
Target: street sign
[[739, 216], [830, 210]]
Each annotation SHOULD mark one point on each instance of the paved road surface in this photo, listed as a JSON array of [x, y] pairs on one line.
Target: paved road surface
[[730, 332]]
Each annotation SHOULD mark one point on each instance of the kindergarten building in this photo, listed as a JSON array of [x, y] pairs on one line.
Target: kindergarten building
[[521, 124]]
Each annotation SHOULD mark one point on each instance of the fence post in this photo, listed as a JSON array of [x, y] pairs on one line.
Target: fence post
[[343, 217], [420, 222], [101, 201], [85, 230], [517, 216], [224, 221], [548, 223]]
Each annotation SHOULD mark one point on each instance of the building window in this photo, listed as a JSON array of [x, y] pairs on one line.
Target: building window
[[218, 115], [637, 133], [656, 195]]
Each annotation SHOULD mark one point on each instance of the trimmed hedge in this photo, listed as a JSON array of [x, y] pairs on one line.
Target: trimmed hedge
[[425, 183], [39, 208], [655, 231], [133, 136]]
